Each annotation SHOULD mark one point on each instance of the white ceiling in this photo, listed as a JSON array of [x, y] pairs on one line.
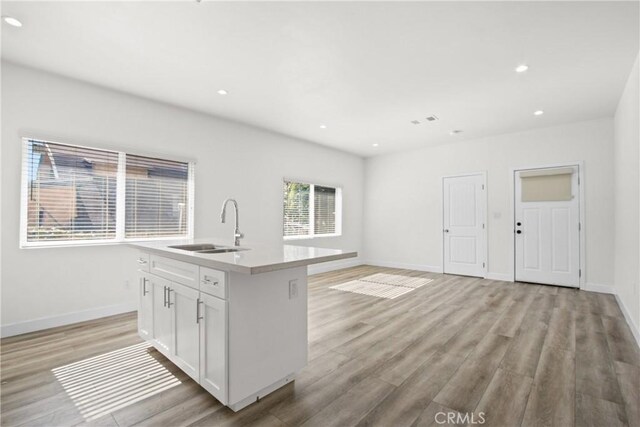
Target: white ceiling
[[363, 69]]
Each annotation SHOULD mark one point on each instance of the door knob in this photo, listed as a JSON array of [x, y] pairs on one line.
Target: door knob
[[446, 230], [518, 224], [519, 231]]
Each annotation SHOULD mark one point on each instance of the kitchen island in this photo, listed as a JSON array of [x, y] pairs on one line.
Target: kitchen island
[[232, 318]]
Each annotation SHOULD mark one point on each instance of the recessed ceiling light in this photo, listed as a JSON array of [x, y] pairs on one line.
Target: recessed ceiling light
[[522, 68], [222, 92], [323, 126], [375, 145], [12, 21], [455, 131], [538, 113]]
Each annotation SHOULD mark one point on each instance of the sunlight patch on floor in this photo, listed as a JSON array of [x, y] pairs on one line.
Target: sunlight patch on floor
[[103, 384], [383, 285]]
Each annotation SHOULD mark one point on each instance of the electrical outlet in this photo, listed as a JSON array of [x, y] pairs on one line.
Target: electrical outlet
[[293, 289]]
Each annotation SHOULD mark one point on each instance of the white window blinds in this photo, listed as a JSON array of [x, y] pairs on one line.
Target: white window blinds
[[70, 192], [156, 197], [77, 195], [311, 210], [324, 210]]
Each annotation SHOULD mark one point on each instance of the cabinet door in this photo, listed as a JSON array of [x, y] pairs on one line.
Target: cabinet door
[[161, 314], [186, 329], [213, 348], [145, 307]]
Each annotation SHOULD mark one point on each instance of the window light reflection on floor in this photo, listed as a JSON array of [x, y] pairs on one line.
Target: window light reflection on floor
[[108, 382]]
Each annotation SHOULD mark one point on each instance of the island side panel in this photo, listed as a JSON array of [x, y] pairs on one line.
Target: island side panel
[[267, 330]]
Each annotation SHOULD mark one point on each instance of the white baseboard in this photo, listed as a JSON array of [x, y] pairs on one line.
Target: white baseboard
[[595, 287], [629, 319], [333, 265], [65, 319], [407, 266], [503, 277]]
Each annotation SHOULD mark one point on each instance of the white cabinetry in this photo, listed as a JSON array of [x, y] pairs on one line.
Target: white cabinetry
[[145, 307], [185, 324], [240, 336], [161, 315], [213, 346]]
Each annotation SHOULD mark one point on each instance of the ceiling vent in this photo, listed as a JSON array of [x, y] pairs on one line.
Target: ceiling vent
[[415, 122], [432, 118]]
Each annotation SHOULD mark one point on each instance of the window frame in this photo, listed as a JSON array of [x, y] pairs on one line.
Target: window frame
[[120, 198], [338, 213]]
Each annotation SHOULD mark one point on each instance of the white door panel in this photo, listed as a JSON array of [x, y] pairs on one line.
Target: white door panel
[[531, 239], [462, 249], [560, 240], [547, 239], [464, 221]]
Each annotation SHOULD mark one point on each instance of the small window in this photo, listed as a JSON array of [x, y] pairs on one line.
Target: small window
[[311, 210], [81, 195]]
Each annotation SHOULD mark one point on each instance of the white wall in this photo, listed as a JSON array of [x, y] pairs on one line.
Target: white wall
[[627, 196], [403, 200], [233, 160]]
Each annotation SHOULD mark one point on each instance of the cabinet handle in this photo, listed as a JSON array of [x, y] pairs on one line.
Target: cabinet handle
[[164, 303], [198, 317], [142, 261], [144, 286], [169, 303], [208, 281]]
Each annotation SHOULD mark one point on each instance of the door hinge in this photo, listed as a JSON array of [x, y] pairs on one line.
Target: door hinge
[[579, 226], [579, 272], [483, 186], [483, 265]]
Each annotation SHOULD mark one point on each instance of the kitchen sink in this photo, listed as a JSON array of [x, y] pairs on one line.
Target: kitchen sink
[[207, 248], [220, 250], [196, 247]]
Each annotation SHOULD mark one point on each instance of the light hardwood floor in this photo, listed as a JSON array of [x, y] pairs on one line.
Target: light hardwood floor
[[521, 354]]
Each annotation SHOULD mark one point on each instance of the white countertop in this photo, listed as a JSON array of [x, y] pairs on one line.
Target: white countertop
[[257, 259]]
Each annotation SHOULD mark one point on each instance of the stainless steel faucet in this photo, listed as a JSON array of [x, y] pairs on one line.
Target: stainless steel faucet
[[236, 234]]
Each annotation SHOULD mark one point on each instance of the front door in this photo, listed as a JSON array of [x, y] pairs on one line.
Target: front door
[[464, 225], [547, 226]]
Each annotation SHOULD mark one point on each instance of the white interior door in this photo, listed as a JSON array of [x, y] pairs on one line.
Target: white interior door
[[464, 225], [547, 226]]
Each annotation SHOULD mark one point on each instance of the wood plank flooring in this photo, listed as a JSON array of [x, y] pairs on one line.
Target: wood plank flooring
[[520, 354]]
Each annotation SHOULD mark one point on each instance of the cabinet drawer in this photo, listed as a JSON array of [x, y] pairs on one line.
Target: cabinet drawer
[[213, 282], [143, 261], [176, 271]]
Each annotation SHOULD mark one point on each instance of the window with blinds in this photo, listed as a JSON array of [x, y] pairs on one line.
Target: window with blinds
[[296, 209], [79, 195], [156, 198], [311, 210], [324, 208]]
